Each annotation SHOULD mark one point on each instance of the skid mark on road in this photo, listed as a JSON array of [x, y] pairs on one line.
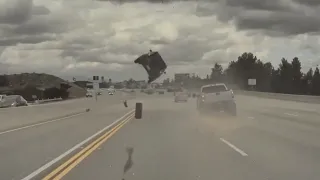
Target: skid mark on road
[[234, 147], [129, 162]]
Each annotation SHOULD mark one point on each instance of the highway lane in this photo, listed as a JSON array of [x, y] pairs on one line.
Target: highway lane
[[11, 118], [24, 150], [173, 141]]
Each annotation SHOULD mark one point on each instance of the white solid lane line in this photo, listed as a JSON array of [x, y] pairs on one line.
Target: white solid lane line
[[290, 114], [234, 147], [57, 159], [38, 124]]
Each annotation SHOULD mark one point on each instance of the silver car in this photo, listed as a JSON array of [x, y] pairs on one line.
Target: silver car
[[181, 97], [13, 101]]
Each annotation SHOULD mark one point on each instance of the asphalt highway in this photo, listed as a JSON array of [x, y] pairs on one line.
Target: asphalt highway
[[11, 118], [269, 140]]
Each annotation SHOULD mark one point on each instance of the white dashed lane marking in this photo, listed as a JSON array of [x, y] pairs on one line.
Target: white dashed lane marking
[[234, 147]]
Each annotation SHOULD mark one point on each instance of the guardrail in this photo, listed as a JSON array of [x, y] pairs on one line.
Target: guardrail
[[42, 101], [288, 97]]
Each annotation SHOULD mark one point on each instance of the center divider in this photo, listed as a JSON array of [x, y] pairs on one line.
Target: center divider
[[66, 167]]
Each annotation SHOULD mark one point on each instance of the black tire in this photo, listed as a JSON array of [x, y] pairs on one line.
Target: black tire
[[138, 112]]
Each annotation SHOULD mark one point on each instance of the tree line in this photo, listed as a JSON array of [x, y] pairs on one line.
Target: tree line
[[286, 78]]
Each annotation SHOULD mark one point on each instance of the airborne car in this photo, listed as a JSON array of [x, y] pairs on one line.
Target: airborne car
[[153, 64]]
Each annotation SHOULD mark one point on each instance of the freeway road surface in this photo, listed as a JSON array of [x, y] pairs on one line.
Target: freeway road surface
[[11, 118], [268, 140]]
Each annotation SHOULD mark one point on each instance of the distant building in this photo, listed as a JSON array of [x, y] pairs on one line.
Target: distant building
[[181, 77]]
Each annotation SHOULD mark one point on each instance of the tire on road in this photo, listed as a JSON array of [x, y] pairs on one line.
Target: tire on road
[[138, 112]]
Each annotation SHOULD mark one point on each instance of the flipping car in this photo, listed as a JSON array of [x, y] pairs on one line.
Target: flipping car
[[216, 97], [153, 64]]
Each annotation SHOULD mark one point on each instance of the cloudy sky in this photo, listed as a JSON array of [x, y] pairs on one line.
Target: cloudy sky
[[81, 38]]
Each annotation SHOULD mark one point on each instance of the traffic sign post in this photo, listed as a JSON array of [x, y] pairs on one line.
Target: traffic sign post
[[96, 87], [252, 83], [95, 78]]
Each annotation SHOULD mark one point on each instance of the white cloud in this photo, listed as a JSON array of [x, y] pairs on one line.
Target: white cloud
[[80, 38]]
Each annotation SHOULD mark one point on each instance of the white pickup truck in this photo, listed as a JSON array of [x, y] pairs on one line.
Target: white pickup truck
[[217, 97]]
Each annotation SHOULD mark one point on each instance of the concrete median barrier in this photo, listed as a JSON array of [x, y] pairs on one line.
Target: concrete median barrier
[[43, 101]]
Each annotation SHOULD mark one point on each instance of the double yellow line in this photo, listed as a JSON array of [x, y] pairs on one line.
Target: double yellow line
[[66, 167]]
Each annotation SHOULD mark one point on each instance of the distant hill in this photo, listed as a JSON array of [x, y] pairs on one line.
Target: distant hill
[[41, 81]]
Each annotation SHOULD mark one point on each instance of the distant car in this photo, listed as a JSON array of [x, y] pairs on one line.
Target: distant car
[[99, 93], [111, 90], [89, 94], [110, 93], [13, 101], [149, 91], [181, 96]]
